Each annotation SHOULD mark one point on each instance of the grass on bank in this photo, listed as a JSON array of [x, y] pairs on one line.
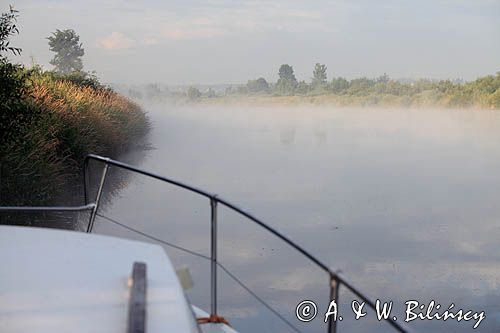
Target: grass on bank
[[53, 124], [423, 101]]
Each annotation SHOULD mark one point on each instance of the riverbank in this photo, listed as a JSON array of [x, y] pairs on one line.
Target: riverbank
[[390, 101], [52, 123]]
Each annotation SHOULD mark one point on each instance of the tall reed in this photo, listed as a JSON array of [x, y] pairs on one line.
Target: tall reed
[[72, 120]]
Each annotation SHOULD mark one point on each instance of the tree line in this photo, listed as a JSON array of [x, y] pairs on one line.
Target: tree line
[[482, 92]]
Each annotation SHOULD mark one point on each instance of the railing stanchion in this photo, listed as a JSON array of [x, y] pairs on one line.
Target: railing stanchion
[[85, 180], [334, 296], [213, 257], [98, 198]]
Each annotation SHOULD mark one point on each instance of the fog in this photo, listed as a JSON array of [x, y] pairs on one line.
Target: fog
[[404, 202]]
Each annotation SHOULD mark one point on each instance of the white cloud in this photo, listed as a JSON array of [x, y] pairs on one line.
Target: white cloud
[[116, 41]]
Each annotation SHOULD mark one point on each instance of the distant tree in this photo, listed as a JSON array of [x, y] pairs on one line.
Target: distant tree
[[8, 28], [259, 85], [287, 81], [69, 51], [383, 78], [210, 93], [319, 76], [228, 90], [242, 90], [286, 73], [339, 85], [494, 98], [193, 93], [361, 86], [302, 88]]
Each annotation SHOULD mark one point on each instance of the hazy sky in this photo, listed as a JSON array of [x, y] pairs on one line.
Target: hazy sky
[[231, 41]]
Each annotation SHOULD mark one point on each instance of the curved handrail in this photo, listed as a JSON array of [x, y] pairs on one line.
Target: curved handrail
[[212, 197], [336, 277], [47, 209]]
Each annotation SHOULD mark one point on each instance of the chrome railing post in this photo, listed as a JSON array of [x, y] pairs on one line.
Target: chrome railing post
[[98, 198], [85, 180], [213, 257], [334, 296]]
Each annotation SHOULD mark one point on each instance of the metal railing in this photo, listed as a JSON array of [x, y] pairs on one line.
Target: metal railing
[[337, 279]]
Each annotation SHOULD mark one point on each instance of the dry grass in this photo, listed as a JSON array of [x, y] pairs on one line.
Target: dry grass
[[424, 99], [72, 121], [89, 120]]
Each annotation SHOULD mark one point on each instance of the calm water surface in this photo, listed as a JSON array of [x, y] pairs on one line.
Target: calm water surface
[[405, 202]]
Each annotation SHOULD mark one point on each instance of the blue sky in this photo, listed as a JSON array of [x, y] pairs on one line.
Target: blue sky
[[222, 41]]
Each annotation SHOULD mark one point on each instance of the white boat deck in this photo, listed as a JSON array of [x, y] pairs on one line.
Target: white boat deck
[[64, 281]]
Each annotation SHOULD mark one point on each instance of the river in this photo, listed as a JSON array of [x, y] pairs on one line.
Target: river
[[404, 202]]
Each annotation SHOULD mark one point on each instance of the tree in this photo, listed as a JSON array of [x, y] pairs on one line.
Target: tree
[[287, 81], [193, 93], [339, 85], [12, 76], [242, 90], [302, 88], [15, 117], [210, 93], [8, 28], [319, 76], [259, 85], [69, 51], [383, 79], [361, 86], [228, 91]]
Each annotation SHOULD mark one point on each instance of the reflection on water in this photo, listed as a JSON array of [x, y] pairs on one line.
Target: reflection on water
[[404, 202], [287, 136]]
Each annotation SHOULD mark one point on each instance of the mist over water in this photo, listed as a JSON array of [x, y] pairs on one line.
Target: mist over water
[[404, 202]]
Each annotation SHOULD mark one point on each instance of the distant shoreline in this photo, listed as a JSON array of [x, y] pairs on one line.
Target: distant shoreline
[[483, 93], [382, 101]]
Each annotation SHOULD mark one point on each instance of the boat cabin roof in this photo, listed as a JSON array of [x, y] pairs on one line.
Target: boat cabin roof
[[65, 281]]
